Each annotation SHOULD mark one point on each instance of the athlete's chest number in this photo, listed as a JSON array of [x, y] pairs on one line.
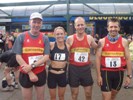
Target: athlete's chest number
[[33, 59], [59, 56], [80, 57], [113, 62]]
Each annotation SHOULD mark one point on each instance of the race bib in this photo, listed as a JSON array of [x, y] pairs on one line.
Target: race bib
[[113, 62], [33, 59], [81, 56], [59, 56]]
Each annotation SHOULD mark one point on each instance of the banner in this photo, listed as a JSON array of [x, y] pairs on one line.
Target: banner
[[108, 17]]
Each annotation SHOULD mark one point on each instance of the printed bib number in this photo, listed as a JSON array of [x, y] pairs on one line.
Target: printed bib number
[[59, 56], [81, 57], [113, 62], [33, 59]]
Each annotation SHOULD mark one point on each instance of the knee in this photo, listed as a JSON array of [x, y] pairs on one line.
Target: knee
[[113, 96], [53, 98], [61, 97], [75, 92], [6, 70], [74, 95], [88, 94]]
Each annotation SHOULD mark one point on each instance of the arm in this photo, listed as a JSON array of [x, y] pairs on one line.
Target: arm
[[92, 42], [98, 61], [20, 60], [17, 48], [22, 63], [43, 59], [128, 60], [69, 40]]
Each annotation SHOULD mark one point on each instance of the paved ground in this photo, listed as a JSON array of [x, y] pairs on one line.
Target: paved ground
[[125, 94]]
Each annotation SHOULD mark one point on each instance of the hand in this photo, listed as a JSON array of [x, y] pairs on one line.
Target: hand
[[33, 77], [26, 68], [99, 81], [127, 81]]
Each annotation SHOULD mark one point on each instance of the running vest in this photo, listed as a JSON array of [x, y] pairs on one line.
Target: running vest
[[59, 54], [113, 55], [80, 52], [33, 49], [131, 50]]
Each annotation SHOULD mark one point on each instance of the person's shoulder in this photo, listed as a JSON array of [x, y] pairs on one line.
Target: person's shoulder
[[21, 34], [124, 40], [70, 36], [89, 36], [52, 43], [102, 40], [45, 36], [70, 39]]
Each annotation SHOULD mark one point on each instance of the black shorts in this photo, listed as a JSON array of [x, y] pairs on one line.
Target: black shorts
[[112, 80], [26, 83], [12, 62], [55, 80], [79, 76]]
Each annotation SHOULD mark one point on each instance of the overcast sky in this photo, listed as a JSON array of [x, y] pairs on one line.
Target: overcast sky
[[12, 1]]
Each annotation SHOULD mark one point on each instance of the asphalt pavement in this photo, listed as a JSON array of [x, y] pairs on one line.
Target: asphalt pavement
[[124, 94]]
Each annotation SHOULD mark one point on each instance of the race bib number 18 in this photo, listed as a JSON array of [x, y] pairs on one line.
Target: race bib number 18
[[113, 62], [80, 56]]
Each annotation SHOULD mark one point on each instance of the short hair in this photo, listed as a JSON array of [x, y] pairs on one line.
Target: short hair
[[113, 20], [79, 18]]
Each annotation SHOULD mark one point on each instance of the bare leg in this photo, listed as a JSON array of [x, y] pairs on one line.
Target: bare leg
[[61, 92], [16, 72], [113, 94], [52, 94], [26, 93], [88, 92], [106, 95], [40, 92], [7, 75], [74, 92]]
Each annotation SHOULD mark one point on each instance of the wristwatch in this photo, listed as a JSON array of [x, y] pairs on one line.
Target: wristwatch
[[33, 66], [129, 76]]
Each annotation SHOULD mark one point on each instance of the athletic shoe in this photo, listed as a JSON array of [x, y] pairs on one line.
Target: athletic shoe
[[4, 83], [126, 87], [8, 88], [16, 86]]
